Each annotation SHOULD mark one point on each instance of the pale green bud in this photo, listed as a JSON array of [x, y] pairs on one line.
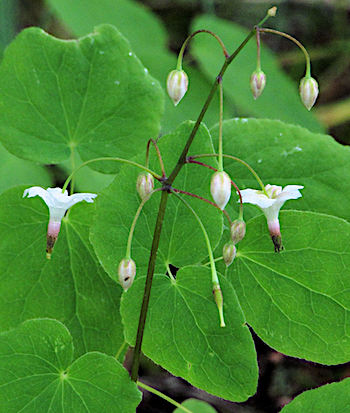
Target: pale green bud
[[257, 83], [220, 188], [229, 253], [126, 272], [219, 300], [144, 185], [238, 228], [308, 90], [177, 84]]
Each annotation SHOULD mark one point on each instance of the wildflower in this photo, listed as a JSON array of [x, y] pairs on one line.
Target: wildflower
[[220, 188], [271, 206], [177, 84], [58, 204], [126, 272], [308, 90], [144, 185], [257, 83]]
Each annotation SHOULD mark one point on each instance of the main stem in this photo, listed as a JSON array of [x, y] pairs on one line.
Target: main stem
[[162, 206]]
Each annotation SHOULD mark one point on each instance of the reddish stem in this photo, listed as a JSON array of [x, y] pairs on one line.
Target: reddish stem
[[205, 200], [158, 154]]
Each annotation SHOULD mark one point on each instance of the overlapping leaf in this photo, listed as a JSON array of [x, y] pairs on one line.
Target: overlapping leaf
[[38, 374], [182, 241], [298, 301], [280, 99], [71, 287], [331, 398], [92, 95], [183, 335], [196, 406]]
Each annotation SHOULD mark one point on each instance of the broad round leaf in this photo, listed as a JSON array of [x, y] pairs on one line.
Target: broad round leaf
[[92, 95], [38, 374], [71, 287], [183, 334], [297, 301], [331, 398], [182, 242]]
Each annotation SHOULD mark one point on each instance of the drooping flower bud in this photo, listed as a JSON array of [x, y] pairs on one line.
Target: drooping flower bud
[[177, 84], [229, 253], [308, 90], [257, 83], [144, 184], [220, 188], [272, 12], [126, 272], [238, 228], [219, 300]]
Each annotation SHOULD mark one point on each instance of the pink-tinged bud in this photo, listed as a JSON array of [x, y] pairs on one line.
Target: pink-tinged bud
[[308, 90], [177, 84], [220, 188], [219, 300], [126, 272], [229, 253], [272, 12], [238, 228], [52, 233], [257, 83], [144, 185], [275, 233]]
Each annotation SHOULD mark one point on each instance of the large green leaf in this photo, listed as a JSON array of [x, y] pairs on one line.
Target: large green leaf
[[38, 374], [331, 398], [284, 154], [183, 335], [15, 171], [91, 95], [149, 40], [297, 301], [182, 242], [71, 287], [280, 99]]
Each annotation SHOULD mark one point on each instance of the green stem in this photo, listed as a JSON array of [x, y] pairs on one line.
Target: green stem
[[72, 160], [121, 349], [158, 177], [221, 93], [163, 396], [191, 36], [162, 206], [160, 159], [257, 177], [306, 54], [214, 275], [258, 64], [133, 225], [169, 272]]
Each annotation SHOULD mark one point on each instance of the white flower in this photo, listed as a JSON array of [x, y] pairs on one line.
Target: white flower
[[58, 204], [177, 84], [271, 205], [220, 188]]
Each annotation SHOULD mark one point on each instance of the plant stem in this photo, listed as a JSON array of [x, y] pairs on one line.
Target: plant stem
[[221, 93], [158, 177], [163, 202], [208, 155], [163, 396], [169, 272], [158, 154], [121, 349], [306, 54]]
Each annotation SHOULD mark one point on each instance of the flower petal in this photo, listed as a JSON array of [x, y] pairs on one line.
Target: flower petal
[[290, 192], [75, 198], [255, 197], [38, 191]]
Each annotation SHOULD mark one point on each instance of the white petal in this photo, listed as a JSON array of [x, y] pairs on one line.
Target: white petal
[[75, 198], [38, 191], [255, 197], [290, 192]]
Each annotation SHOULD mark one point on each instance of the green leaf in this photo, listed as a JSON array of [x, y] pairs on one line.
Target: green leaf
[[297, 301], [196, 406], [183, 335], [15, 171], [280, 99], [331, 398], [284, 154], [148, 37], [182, 242], [71, 287], [38, 374], [92, 95]]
